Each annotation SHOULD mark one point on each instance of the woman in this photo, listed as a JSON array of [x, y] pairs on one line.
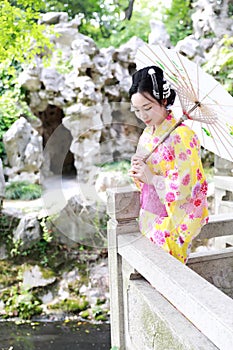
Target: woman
[[172, 182]]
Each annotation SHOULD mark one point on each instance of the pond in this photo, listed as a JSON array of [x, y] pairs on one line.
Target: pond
[[54, 336]]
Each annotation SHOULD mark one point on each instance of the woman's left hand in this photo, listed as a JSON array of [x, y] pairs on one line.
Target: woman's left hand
[[139, 170]]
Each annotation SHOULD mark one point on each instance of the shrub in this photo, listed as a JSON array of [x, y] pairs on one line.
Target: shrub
[[20, 302], [23, 190], [71, 305]]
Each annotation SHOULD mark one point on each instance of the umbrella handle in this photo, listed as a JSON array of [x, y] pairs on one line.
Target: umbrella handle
[[165, 136]]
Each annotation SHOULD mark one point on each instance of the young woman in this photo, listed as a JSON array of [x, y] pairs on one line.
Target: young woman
[[172, 183]]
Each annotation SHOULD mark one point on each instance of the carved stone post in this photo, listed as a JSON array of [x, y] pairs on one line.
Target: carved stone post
[[123, 209], [222, 166], [223, 181]]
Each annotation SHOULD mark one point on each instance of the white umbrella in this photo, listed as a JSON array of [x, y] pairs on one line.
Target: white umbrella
[[205, 105]]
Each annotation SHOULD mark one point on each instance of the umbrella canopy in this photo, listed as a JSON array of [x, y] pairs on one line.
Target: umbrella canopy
[[205, 105]]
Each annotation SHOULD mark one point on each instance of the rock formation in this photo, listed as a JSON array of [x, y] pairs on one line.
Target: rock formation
[[80, 96], [24, 150], [81, 100]]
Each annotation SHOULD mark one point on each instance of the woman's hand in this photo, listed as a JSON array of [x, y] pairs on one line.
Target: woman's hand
[[139, 170]]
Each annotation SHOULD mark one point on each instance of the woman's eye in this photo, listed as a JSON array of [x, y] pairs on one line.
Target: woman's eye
[[147, 109]]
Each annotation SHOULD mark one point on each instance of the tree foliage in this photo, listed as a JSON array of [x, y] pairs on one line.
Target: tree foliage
[[21, 35], [20, 40], [113, 22], [177, 20], [100, 18], [220, 62]]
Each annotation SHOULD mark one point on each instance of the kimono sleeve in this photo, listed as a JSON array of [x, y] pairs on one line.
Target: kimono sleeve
[[181, 166]]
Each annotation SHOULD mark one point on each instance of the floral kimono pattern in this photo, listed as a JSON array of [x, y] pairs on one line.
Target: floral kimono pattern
[[174, 208]]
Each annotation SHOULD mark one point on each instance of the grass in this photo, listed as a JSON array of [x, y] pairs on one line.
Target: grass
[[23, 190], [122, 166]]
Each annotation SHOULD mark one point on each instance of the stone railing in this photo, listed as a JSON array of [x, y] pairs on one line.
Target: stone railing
[[156, 301], [222, 186]]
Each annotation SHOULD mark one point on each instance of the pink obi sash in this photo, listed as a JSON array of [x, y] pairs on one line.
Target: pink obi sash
[[151, 202]]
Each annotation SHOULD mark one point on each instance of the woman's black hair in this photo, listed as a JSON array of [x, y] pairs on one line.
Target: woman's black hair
[[142, 82]]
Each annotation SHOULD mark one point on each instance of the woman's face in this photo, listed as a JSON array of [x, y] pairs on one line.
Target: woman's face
[[148, 109]]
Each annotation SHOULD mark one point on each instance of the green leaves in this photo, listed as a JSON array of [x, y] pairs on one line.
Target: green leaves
[[220, 62], [21, 36], [21, 39], [23, 190], [177, 20]]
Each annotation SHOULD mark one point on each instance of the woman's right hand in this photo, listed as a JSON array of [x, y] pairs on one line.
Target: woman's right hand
[[135, 158], [139, 170]]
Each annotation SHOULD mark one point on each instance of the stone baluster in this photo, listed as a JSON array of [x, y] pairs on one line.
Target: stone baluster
[[123, 208]]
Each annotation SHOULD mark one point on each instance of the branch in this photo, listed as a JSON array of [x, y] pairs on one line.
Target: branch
[[129, 10]]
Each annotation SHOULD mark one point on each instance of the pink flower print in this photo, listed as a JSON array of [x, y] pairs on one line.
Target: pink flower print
[[169, 154], [191, 145], [177, 139], [170, 197], [174, 176], [159, 220], [166, 234], [197, 202], [183, 227], [155, 140], [186, 180], [174, 186], [196, 190], [180, 241], [169, 117], [194, 207], [183, 156], [199, 175], [154, 159], [188, 151], [194, 141], [158, 238], [204, 187]]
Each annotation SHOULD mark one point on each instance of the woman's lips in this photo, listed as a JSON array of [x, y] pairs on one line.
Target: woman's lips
[[147, 121]]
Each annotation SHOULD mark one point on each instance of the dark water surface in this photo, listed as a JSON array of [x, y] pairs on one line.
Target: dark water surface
[[54, 336]]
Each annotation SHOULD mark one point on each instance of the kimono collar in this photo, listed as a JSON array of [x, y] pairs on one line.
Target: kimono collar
[[165, 126]]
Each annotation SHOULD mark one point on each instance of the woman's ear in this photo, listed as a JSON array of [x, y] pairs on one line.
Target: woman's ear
[[166, 106]]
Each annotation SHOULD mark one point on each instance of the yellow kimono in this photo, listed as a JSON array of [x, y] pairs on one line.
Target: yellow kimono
[[174, 208]]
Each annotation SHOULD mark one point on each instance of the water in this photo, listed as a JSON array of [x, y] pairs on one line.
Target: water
[[54, 336]]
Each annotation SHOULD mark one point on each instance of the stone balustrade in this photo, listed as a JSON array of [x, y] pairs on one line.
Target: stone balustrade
[[222, 186], [156, 301]]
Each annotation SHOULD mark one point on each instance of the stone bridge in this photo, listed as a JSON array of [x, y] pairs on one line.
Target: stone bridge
[[156, 301]]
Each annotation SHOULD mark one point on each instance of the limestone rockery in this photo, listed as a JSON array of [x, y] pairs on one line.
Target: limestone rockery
[[80, 96], [81, 103]]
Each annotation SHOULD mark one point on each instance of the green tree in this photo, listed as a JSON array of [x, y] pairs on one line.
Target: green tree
[[100, 18], [177, 20], [21, 36], [220, 62], [21, 39]]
